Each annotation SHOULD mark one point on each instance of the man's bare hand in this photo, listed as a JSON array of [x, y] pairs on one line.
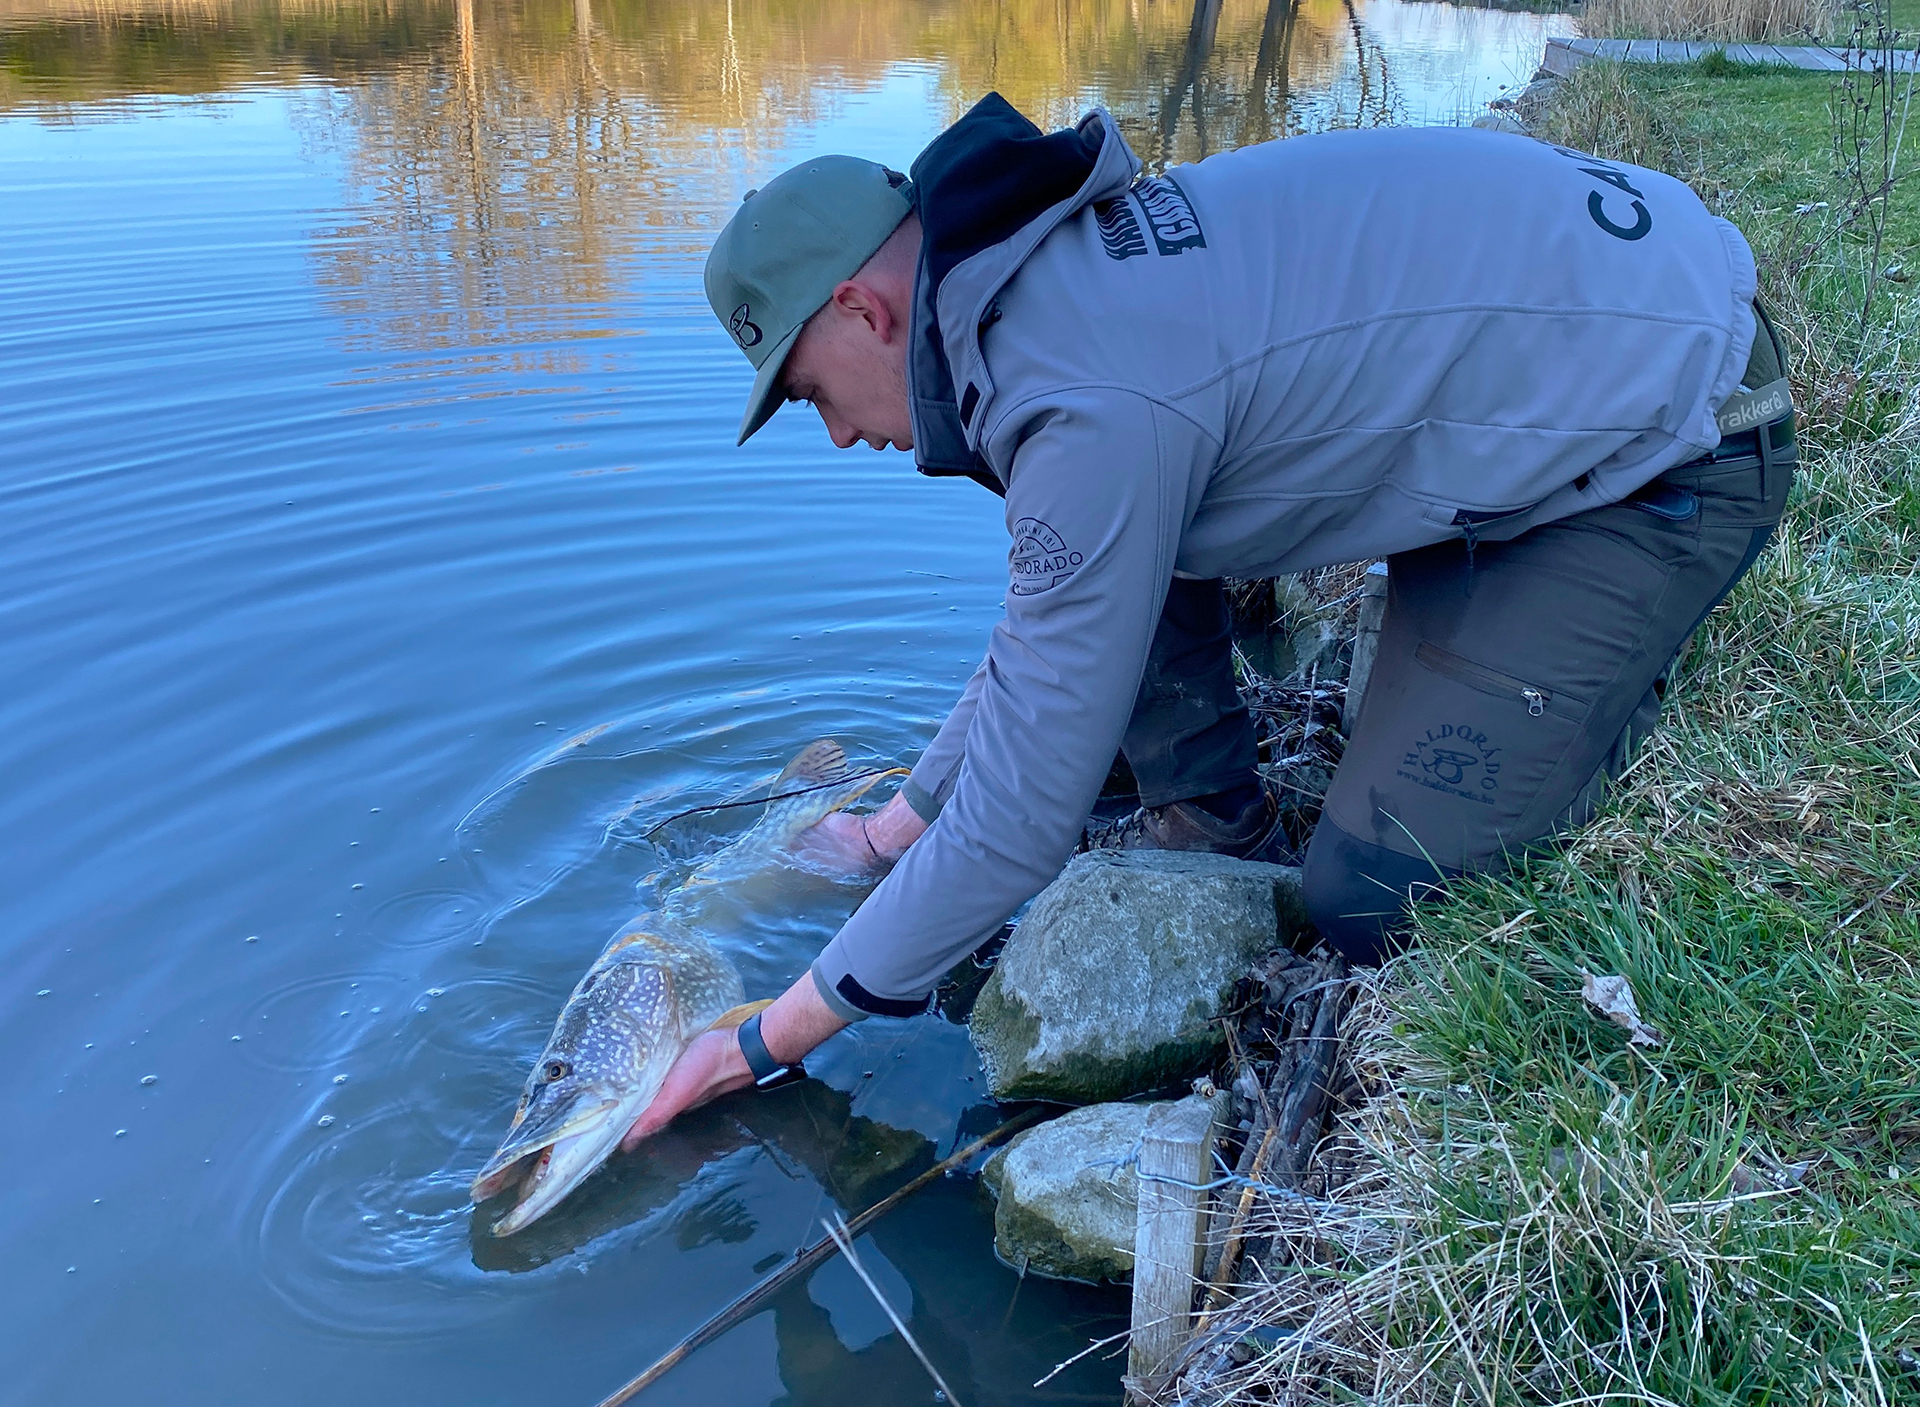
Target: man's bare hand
[[713, 1065], [839, 843], [861, 844], [710, 1067]]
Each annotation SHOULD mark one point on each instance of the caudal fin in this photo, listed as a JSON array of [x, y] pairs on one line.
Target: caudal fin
[[820, 763]]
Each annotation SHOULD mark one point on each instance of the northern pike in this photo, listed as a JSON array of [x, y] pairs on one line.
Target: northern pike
[[657, 986]]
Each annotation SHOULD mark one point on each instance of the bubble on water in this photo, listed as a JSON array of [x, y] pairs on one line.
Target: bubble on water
[[326, 1121], [339, 1079], [72, 1268], [374, 1010], [253, 937], [44, 992], [293, 1028], [436, 991], [119, 1133], [359, 886], [234, 1038], [149, 1079]]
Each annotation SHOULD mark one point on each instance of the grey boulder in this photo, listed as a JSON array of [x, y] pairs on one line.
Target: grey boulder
[[1068, 1194], [1111, 984]]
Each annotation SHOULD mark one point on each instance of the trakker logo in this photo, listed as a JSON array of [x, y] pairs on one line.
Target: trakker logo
[[1040, 559], [1176, 229], [745, 332]]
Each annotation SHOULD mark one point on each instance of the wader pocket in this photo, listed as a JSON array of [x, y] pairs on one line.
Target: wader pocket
[[1537, 700]]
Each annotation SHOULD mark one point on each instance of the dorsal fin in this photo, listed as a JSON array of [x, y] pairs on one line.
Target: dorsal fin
[[819, 763]]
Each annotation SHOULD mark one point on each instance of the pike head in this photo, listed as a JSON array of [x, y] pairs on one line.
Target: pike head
[[618, 1035]]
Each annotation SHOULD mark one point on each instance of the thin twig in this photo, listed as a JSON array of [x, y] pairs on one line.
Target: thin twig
[[756, 1298], [837, 1229]]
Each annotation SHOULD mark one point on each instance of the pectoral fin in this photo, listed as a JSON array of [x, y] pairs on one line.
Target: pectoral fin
[[734, 1016]]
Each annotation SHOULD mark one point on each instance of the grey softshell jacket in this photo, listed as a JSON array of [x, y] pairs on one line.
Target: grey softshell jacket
[[1318, 350]]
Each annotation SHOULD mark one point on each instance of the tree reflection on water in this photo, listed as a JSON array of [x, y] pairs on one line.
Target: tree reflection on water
[[506, 156]]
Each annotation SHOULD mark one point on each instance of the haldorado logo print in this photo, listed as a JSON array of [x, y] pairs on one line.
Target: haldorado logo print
[[1040, 559], [1455, 758]]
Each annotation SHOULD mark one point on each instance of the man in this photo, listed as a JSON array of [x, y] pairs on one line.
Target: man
[[1534, 381]]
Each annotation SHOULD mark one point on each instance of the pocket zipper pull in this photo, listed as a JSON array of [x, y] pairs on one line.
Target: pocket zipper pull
[[1536, 701]]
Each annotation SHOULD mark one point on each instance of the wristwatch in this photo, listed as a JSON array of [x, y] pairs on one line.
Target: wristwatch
[[768, 1073]]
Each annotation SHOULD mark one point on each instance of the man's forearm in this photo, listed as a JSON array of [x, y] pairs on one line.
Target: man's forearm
[[892, 828], [797, 1021]]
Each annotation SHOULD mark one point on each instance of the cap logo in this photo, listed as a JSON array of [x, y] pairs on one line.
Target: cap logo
[[745, 332]]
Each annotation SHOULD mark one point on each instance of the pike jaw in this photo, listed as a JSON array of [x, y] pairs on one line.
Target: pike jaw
[[552, 1163]]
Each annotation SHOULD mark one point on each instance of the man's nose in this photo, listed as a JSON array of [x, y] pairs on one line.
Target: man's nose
[[839, 431]]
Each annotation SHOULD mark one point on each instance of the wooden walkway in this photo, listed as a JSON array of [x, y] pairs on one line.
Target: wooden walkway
[[1565, 55]]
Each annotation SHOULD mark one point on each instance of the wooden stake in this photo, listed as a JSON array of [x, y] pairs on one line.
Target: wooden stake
[[1175, 1155], [1366, 643]]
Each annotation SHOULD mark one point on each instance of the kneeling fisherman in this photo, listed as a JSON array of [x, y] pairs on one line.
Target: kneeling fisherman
[[1534, 381]]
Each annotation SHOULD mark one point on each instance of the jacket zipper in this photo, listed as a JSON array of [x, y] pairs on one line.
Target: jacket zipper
[[1492, 681]]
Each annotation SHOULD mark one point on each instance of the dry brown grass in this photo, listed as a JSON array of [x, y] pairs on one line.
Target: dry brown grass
[[1729, 21]]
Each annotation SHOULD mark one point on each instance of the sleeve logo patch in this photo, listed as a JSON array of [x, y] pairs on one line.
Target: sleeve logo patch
[[1040, 559], [1176, 229]]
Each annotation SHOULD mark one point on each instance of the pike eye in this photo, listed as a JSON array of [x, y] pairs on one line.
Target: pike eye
[[555, 1070]]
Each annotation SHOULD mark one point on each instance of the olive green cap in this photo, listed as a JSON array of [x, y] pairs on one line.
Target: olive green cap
[[787, 247]]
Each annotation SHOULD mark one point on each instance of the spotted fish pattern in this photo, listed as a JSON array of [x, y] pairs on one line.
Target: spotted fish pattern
[[654, 988]]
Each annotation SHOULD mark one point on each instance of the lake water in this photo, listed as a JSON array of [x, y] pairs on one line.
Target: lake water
[[366, 442]]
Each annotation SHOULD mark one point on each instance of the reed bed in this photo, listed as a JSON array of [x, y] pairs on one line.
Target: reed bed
[[1729, 21]]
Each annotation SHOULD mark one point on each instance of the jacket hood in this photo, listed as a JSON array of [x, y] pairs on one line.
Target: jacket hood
[[988, 190]]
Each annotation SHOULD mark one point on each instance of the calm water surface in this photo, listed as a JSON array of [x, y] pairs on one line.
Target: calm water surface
[[376, 568]]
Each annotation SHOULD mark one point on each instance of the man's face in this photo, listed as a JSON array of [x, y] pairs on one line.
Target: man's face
[[850, 364]]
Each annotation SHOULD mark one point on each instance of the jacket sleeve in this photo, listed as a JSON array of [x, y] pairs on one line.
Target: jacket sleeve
[[1101, 488], [938, 769]]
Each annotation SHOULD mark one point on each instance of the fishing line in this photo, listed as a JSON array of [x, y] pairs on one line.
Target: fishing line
[[780, 796]]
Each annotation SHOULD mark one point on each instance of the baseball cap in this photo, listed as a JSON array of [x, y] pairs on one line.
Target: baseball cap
[[785, 250]]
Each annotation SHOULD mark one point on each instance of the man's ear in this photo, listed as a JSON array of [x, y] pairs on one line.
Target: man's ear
[[863, 301]]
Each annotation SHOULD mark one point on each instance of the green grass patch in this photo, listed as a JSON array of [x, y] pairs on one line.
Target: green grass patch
[[1543, 1213], [1757, 881]]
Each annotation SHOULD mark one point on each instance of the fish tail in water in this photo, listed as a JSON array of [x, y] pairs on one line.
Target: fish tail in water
[[819, 781]]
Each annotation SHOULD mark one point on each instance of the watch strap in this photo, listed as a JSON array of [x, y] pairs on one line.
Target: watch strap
[[759, 1059]]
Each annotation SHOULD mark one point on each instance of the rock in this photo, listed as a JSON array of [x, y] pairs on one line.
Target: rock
[[1502, 122], [1316, 652], [1111, 984], [1067, 1194]]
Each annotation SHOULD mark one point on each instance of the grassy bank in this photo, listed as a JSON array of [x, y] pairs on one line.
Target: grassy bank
[[1733, 1215]]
